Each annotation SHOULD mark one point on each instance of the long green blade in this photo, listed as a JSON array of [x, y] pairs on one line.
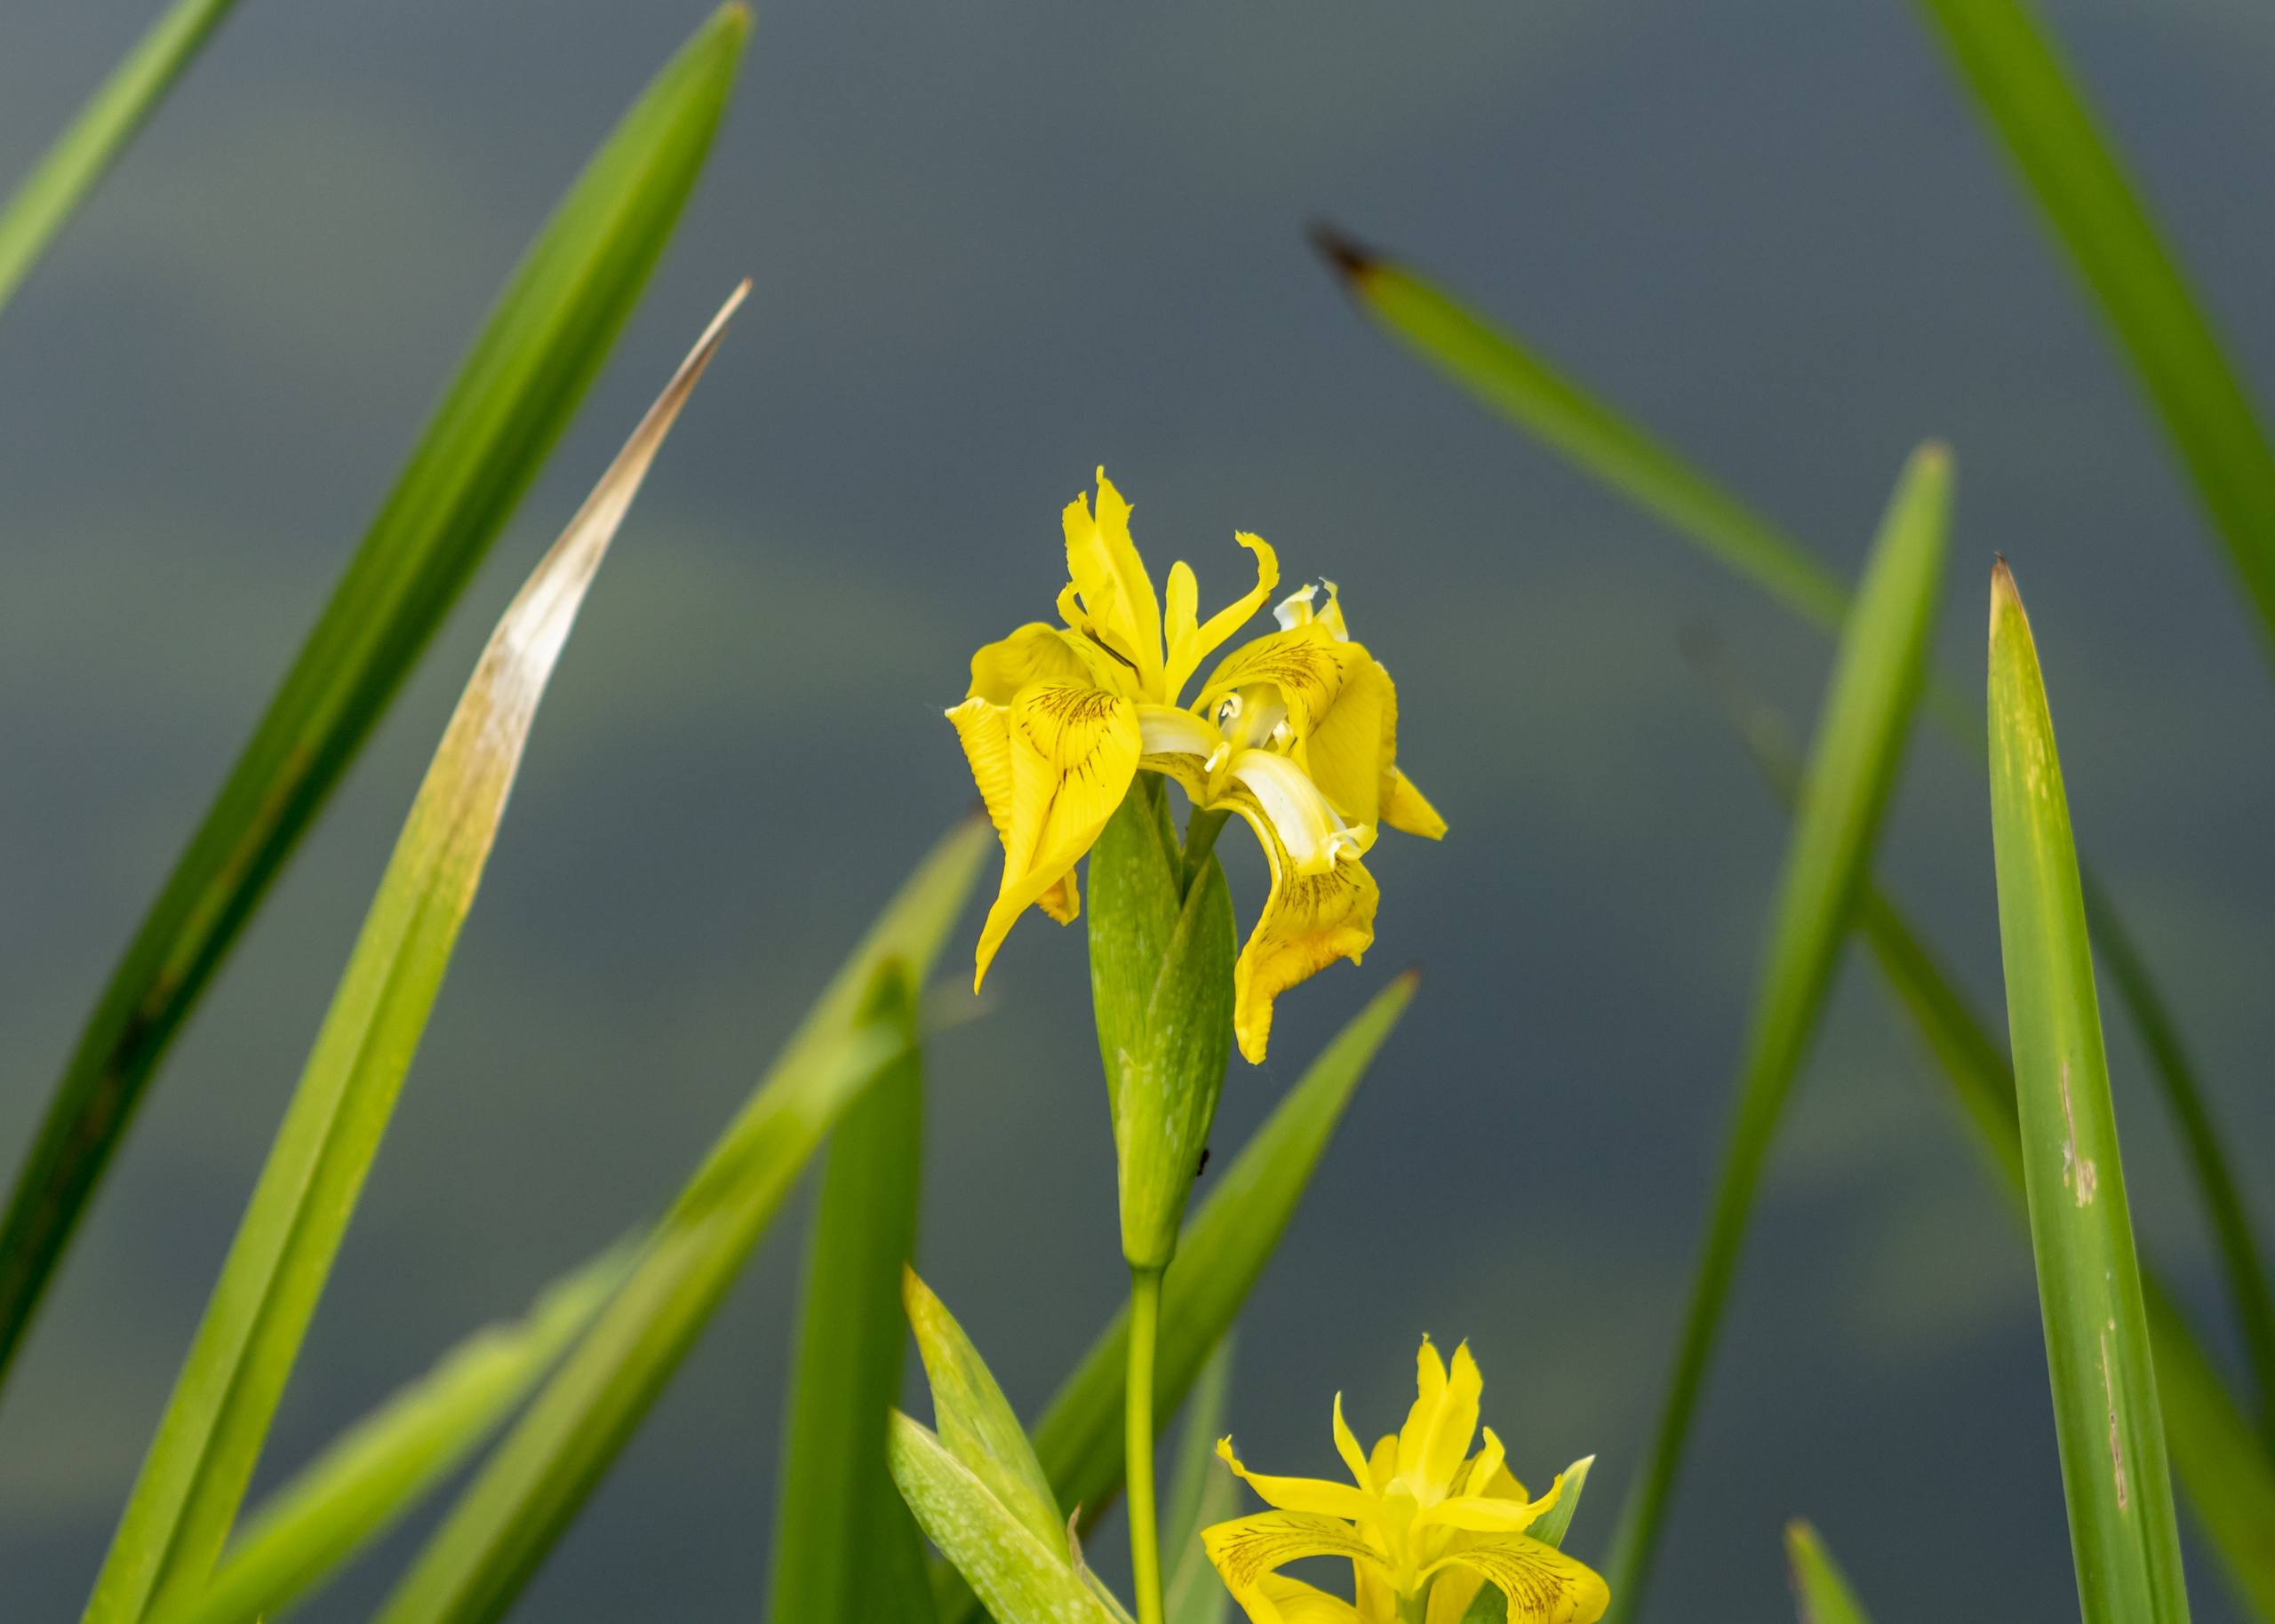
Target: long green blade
[[2123, 1535], [1859, 743], [44, 201], [2032, 100], [845, 1548], [1532, 392], [512, 395], [352, 1493], [862, 1027], [1503, 374], [1821, 1590], [1223, 1250], [2229, 1482], [194, 1478]]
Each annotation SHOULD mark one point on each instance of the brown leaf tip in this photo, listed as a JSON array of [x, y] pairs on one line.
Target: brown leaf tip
[[1345, 255]]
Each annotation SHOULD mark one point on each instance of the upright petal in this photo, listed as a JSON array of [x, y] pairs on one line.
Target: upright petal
[[1457, 1420], [1314, 1494], [1421, 1416], [1189, 643], [1307, 922], [1346, 1444], [1074, 752], [984, 730], [1117, 595], [1543, 1584]]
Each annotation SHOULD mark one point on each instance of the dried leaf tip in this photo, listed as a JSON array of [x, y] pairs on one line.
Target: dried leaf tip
[[2004, 596], [1346, 255]]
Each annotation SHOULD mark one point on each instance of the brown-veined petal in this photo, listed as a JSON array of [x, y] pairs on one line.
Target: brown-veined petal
[[1543, 1584]]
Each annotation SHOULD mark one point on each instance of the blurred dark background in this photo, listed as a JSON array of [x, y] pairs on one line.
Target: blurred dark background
[[993, 247]]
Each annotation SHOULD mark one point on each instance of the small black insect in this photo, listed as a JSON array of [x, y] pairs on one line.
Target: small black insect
[[1203, 1167]]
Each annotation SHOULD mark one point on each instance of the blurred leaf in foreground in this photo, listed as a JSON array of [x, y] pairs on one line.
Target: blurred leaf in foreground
[[2032, 101], [1820, 1592], [1859, 743], [513, 394], [2123, 1535], [44, 201], [194, 1478]]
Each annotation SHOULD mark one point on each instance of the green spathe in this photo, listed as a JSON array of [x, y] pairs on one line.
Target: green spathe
[[1161, 986]]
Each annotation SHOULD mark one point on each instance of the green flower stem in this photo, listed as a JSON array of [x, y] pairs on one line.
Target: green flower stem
[[1137, 1417]]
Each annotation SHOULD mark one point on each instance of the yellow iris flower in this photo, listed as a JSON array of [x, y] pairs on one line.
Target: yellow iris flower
[[1423, 1523], [1297, 731]]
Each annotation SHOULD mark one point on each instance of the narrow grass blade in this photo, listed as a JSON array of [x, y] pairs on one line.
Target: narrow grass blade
[[2123, 1535], [194, 1478], [2230, 1482], [1820, 1592], [1021, 1577], [353, 1491], [512, 395], [1201, 1492], [1859, 743], [1503, 374], [2032, 101], [68, 170], [845, 1549], [861, 1027], [1500, 372], [1224, 1248]]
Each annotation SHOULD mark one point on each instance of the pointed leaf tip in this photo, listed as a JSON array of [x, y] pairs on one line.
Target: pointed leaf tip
[[1345, 255]]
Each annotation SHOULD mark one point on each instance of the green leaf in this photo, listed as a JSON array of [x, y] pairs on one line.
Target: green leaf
[[1022, 1579], [1853, 764], [194, 1478], [1820, 1592], [513, 394], [1079, 1440], [1520, 386], [976, 1423], [2229, 1482], [844, 1547], [1202, 1493], [2123, 1535], [83, 155], [356, 1488], [507, 1521], [1557, 1520], [2030, 99]]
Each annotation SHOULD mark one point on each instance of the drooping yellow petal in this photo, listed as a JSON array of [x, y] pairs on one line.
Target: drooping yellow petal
[[1291, 1601], [1346, 1444], [1034, 653], [1307, 922], [1117, 595], [1189, 643], [1072, 754], [1406, 809], [984, 731], [1247, 1547], [1313, 1494], [1543, 1584]]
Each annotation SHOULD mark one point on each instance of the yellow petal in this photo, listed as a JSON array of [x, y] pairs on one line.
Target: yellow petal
[[1457, 1420], [1346, 1444], [1117, 594], [1353, 741], [1306, 665], [1485, 1514], [984, 730], [1034, 653], [1421, 1416], [1543, 1584], [1307, 922], [1313, 1494], [1190, 644], [1294, 1602], [1072, 754], [1247, 1547], [1406, 809], [1451, 1595]]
